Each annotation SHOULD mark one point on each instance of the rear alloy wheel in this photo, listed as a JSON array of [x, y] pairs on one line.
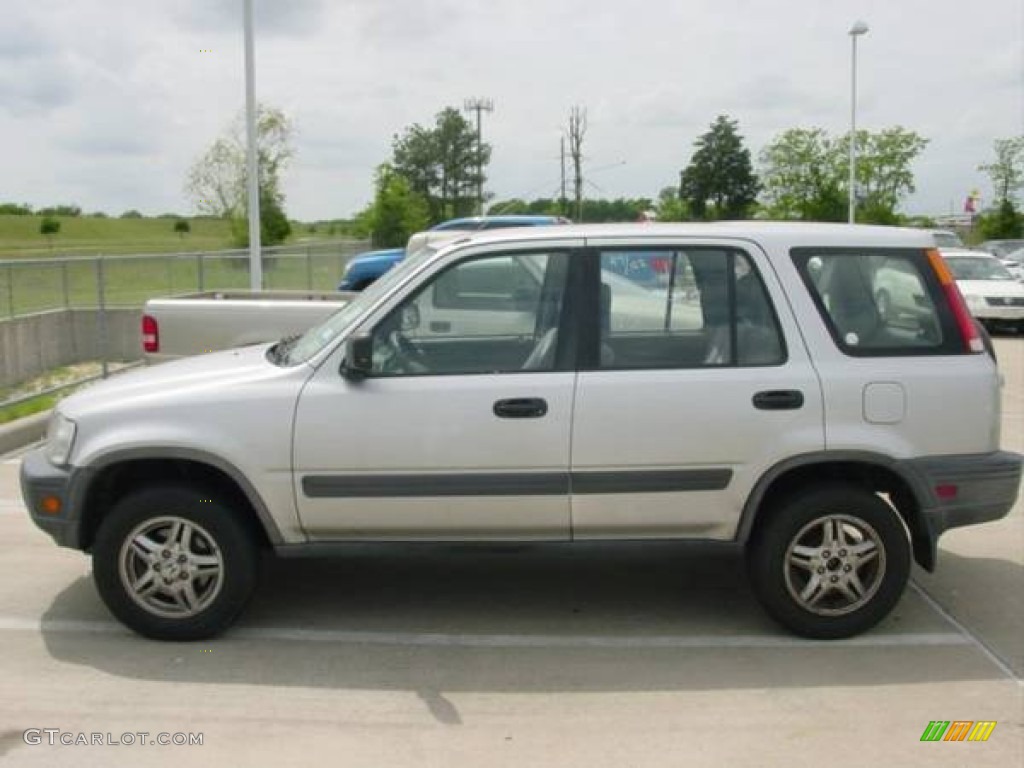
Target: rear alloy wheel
[[830, 562], [174, 563]]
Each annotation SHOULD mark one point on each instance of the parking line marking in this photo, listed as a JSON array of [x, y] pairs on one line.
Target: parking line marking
[[972, 638], [444, 640]]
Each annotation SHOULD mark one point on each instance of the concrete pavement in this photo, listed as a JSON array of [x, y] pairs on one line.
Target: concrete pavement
[[653, 655]]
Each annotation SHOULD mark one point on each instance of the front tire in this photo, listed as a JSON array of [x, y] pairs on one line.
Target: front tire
[[174, 563], [830, 561]]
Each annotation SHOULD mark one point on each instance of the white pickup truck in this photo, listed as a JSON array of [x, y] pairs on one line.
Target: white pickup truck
[[195, 323]]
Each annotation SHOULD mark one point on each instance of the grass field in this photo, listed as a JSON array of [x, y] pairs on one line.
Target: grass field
[[34, 287], [85, 235]]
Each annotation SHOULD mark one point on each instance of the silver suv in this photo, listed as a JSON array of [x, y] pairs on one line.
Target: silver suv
[[515, 387]]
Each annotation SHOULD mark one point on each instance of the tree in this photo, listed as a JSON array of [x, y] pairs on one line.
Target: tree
[[440, 164], [49, 226], [397, 211], [670, 206], [884, 174], [182, 227], [720, 173], [131, 214], [577, 131], [802, 177], [1007, 172], [218, 180], [806, 174]]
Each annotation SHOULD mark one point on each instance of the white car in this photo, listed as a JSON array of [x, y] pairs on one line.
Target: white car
[[991, 292], [511, 386]]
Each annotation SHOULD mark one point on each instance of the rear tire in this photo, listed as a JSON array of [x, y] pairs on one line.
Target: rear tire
[[830, 561], [174, 563]]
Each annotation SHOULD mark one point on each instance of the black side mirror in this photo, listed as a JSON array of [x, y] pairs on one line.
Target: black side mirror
[[358, 360]]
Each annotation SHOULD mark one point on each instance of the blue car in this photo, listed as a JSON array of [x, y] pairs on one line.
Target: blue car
[[367, 267]]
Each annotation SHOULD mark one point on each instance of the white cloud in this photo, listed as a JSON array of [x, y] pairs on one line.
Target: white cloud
[[109, 101]]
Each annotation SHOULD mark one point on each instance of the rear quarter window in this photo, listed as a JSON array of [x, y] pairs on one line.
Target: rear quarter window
[[879, 302]]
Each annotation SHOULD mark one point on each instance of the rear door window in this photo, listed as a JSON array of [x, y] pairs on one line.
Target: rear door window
[[879, 302]]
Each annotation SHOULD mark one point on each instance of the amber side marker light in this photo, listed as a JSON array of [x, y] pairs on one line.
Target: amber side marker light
[[957, 305], [51, 505]]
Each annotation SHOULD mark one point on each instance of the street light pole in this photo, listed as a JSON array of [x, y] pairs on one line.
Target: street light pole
[[478, 106], [255, 262], [859, 28]]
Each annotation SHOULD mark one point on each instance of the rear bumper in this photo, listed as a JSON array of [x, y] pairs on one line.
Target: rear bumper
[[954, 491]]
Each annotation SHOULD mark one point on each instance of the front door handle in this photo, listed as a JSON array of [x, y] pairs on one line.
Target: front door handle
[[521, 408], [779, 400]]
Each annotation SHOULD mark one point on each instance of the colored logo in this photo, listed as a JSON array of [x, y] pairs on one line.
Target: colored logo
[[958, 730]]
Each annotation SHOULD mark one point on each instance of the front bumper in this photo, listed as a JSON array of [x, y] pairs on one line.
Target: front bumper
[[39, 479], [955, 491], [999, 313]]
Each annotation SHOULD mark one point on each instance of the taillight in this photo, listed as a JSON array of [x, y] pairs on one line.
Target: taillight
[[150, 334], [955, 300]]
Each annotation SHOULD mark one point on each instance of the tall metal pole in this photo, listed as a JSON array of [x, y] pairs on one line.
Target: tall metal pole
[[859, 28], [255, 262], [478, 106]]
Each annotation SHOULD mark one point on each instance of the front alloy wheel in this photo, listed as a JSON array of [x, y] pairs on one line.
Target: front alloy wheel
[[171, 567], [175, 562]]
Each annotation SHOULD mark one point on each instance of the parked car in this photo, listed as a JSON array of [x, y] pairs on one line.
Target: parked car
[[363, 269], [945, 240], [1014, 263], [1001, 248], [510, 386], [991, 292]]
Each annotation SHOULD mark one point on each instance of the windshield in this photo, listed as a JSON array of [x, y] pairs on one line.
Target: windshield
[[947, 240], [978, 269], [320, 336]]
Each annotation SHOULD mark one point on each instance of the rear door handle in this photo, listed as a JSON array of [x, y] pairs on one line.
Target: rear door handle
[[779, 400], [521, 408]]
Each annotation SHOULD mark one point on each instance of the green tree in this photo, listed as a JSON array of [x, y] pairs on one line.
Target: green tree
[[218, 180], [719, 182], [884, 175], [1004, 223], [1007, 172], [49, 226], [131, 214], [397, 211], [440, 164], [803, 177], [182, 227], [671, 207], [806, 174]]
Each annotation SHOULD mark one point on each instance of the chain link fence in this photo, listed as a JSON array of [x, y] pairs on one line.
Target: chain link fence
[[28, 286], [60, 311]]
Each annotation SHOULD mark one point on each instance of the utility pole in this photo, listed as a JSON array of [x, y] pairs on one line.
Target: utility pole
[[478, 106]]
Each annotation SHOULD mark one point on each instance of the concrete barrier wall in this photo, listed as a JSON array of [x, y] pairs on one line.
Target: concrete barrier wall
[[33, 344]]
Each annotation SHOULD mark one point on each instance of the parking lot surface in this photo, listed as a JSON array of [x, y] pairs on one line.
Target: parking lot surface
[[653, 655]]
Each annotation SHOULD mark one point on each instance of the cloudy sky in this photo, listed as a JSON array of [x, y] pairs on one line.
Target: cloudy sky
[[105, 103]]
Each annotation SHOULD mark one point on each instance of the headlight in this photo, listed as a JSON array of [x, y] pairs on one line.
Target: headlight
[[60, 436], [974, 301]]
